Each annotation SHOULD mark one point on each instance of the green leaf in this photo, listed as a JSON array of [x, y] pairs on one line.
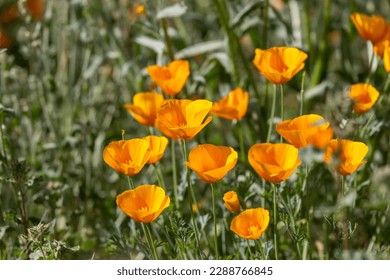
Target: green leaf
[[156, 45], [238, 19], [200, 48], [172, 11]]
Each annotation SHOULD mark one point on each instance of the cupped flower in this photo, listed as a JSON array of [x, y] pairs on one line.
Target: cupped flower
[[279, 64], [251, 223], [274, 162], [183, 119], [172, 78], [233, 106], [306, 130], [232, 203], [386, 58], [143, 204], [211, 163], [157, 146], [127, 156], [350, 155], [365, 96], [144, 107], [371, 28]]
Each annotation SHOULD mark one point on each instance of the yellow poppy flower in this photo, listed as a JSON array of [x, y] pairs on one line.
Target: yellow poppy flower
[[306, 130], [279, 64], [274, 162], [251, 223], [172, 78], [233, 106], [211, 163], [371, 28], [183, 119], [144, 107], [157, 146], [365, 96], [386, 58], [127, 156], [232, 203], [350, 155], [143, 204]]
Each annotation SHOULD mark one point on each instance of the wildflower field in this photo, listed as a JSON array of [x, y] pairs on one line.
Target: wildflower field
[[253, 129]]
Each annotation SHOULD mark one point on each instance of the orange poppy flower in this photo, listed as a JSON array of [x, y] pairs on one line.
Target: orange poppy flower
[[251, 223], [9, 14], [36, 8], [379, 47], [386, 58], [279, 64], [157, 146], [350, 155], [365, 96], [172, 78], [306, 130], [233, 106], [144, 107], [183, 119], [274, 162], [143, 204], [232, 203], [371, 28], [211, 163], [127, 156], [5, 40]]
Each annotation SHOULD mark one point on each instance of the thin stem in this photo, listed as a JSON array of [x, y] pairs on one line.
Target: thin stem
[[302, 93], [370, 63], [265, 24], [260, 248], [157, 170], [192, 196], [215, 223], [249, 250], [282, 102], [168, 42], [152, 248], [174, 175], [387, 84], [130, 182], [275, 222], [271, 118], [241, 138]]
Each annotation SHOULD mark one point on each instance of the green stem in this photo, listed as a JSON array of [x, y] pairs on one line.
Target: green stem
[[130, 182], [387, 84], [158, 175], [174, 175], [370, 63], [271, 118], [275, 221], [215, 223], [265, 25], [260, 248], [224, 18], [152, 248], [249, 249], [192, 196], [302, 93], [168, 42], [242, 145], [281, 106]]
